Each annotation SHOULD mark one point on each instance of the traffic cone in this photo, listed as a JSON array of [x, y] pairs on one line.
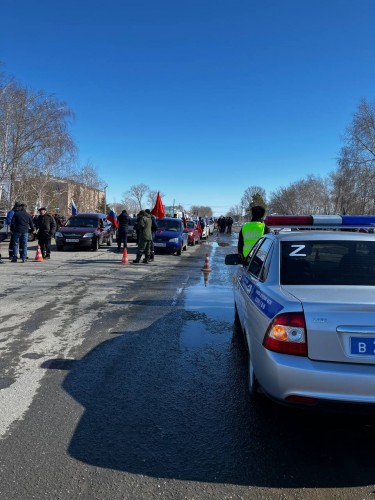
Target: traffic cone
[[125, 259], [206, 268], [38, 256]]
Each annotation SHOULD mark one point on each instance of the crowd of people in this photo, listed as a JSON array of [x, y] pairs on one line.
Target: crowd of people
[[44, 227], [224, 224]]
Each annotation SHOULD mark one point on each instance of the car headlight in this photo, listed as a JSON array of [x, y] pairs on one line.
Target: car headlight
[[58, 234], [88, 235], [173, 240]]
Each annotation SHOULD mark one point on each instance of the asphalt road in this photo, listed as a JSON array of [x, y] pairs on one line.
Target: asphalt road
[[129, 382]]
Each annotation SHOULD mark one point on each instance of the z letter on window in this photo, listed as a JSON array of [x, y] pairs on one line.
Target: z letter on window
[[296, 253]]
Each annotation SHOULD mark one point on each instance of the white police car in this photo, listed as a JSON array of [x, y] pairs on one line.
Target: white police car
[[305, 301]]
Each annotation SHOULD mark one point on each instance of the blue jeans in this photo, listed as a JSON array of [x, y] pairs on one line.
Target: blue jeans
[[23, 237]]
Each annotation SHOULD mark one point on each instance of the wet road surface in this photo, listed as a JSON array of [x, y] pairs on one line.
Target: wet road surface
[[154, 404]]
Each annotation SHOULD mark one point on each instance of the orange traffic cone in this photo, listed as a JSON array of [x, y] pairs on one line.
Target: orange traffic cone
[[38, 256], [125, 259], [206, 268]]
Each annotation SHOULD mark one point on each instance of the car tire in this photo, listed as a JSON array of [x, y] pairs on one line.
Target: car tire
[[109, 241], [59, 248], [95, 245]]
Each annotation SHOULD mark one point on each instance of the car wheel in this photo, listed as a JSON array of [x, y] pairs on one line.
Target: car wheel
[[109, 241], [179, 250], [30, 237], [59, 248], [95, 245]]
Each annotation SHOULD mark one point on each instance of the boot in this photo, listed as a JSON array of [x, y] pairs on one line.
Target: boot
[[146, 260], [136, 261], [152, 257]]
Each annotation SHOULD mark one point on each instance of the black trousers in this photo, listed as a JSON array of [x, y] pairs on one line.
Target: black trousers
[[45, 245], [122, 237]]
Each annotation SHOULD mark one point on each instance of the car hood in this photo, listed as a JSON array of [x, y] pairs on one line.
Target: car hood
[[165, 232], [76, 230]]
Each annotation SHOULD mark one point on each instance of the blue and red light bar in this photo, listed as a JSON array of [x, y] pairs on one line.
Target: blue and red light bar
[[352, 221]]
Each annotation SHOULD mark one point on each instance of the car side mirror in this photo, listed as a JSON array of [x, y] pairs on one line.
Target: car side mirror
[[233, 259]]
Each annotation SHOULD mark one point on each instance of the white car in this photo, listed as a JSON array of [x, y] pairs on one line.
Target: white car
[[305, 302]]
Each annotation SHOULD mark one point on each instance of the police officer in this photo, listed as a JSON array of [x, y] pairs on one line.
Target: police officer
[[46, 226], [252, 231]]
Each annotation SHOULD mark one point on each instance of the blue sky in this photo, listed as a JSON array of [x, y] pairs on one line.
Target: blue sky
[[199, 99]]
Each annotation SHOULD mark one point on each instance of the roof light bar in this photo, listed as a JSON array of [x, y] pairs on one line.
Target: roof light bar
[[353, 221]]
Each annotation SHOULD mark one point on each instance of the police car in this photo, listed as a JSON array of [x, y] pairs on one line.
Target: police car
[[305, 301]]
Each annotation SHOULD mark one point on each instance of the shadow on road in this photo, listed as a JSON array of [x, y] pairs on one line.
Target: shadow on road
[[158, 407]]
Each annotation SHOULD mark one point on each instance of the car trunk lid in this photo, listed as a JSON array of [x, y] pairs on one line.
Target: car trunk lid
[[339, 322]]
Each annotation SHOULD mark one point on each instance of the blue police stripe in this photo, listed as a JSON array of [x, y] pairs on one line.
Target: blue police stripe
[[262, 301]]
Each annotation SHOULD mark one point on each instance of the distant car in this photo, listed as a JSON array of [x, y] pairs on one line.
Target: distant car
[[132, 233], [305, 302], [90, 230], [193, 232], [211, 226], [170, 236]]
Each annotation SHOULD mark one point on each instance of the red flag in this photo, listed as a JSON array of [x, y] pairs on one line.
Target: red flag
[[158, 209]]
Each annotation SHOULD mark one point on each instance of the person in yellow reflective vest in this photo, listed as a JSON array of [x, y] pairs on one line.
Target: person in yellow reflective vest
[[252, 231]]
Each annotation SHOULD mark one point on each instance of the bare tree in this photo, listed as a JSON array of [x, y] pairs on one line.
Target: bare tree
[[354, 180], [151, 198], [253, 195], [137, 193], [306, 196], [34, 135], [235, 212], [201, 211]]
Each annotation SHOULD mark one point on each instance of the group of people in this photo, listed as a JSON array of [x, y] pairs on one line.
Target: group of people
[[22, 223], [44, 227], [224, 224], [145, 228]]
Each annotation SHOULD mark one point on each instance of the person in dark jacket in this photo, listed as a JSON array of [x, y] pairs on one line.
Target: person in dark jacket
[[21, 223], [46, 226], [154, 228], [122, 233], [144, 225], [8, 221]]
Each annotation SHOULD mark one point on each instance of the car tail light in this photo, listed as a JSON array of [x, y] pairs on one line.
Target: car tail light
[[287, 334]]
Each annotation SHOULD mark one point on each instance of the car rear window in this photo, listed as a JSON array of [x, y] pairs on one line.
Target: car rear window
[[83, 222], [169, 225], [328, 263]]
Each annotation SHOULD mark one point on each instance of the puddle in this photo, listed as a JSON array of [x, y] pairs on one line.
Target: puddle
[[211, 316]]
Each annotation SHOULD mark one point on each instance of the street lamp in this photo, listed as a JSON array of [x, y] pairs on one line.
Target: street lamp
[[105, 198]]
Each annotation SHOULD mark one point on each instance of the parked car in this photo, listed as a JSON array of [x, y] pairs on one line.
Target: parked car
[[305, 302], [170, 236], [192, 232], [89, 230], [210, 226]]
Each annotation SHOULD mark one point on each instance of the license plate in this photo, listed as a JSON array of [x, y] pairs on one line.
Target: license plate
[[160, 244], [72, 240], [362, 346]]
